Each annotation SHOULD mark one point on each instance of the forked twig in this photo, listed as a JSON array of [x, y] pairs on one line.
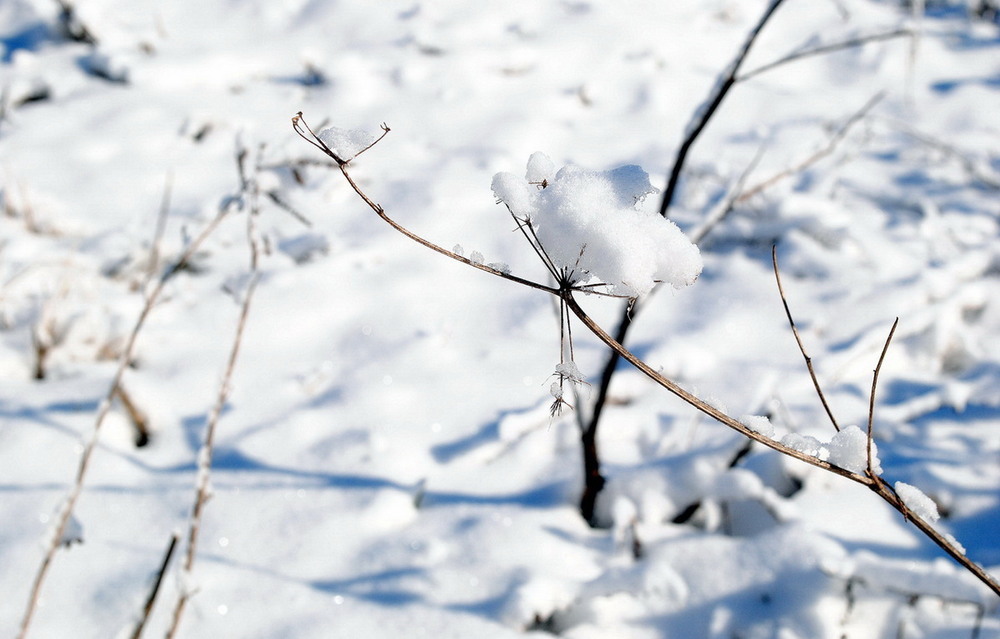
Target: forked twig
[[798, 340], [300, 126]]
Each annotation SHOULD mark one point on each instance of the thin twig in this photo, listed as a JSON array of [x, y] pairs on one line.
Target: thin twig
[[798, 340], [871, 399], [737, 196], [249, 188], [972, 169], [202, 485], [52, 545], [161, 225], [298, 123], [705, 112], [825, 48], [147, 609], [876, 484]]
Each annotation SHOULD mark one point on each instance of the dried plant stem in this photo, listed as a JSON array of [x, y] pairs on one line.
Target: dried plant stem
[[53, 544], [203, 492], [139, 421], [798, 340], [202, 483], [876, 484], [826, 48], [161, 226], [739, 196], [871, 397], [565, 294]]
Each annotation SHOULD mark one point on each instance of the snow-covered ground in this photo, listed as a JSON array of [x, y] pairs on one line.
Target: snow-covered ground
[[385, 465]]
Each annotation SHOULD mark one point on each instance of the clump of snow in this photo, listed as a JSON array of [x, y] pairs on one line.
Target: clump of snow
[[589, 225], [503, 267], [346, 143], [758, 424], [915, 499], [805, 444], [476, 257], [849, 450]]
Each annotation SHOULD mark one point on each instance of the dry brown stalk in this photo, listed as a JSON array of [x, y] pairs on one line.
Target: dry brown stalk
[[566, 295], [65, 513], [203, 492]]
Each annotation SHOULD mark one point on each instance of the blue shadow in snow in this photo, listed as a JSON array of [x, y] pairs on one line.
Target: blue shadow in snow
[[227, 459], [380, 587], [488, 433], [27, 39], [546, 496]]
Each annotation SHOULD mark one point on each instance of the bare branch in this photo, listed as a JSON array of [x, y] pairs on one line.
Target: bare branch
[[65, 514], [202, 486], [298, 122], [705, 112], [798, 340], [871, 399], [826, 48], [147, 609], [594, 480]]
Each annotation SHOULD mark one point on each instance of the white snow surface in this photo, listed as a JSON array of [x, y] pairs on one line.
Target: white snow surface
[[386, 464]]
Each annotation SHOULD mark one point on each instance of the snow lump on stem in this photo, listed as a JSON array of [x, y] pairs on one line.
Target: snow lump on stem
[[589, 226]]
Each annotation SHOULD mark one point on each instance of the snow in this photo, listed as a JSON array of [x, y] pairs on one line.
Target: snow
[[346, 143], [386, 464], [588, 224], [922, 505], [849, 450]]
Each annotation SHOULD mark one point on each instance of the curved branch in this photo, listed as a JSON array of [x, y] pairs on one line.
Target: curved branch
[[873, 482]]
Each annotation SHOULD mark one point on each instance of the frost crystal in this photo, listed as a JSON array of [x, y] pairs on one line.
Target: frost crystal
[[849, 450], [476, 257], [346, 143], [588, 224], [922, 505]]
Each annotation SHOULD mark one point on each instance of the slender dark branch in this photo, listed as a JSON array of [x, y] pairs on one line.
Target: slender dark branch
[[798, 340], [528, 231], [709, 107], [871, 398], [826, 48], [154, 591]]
